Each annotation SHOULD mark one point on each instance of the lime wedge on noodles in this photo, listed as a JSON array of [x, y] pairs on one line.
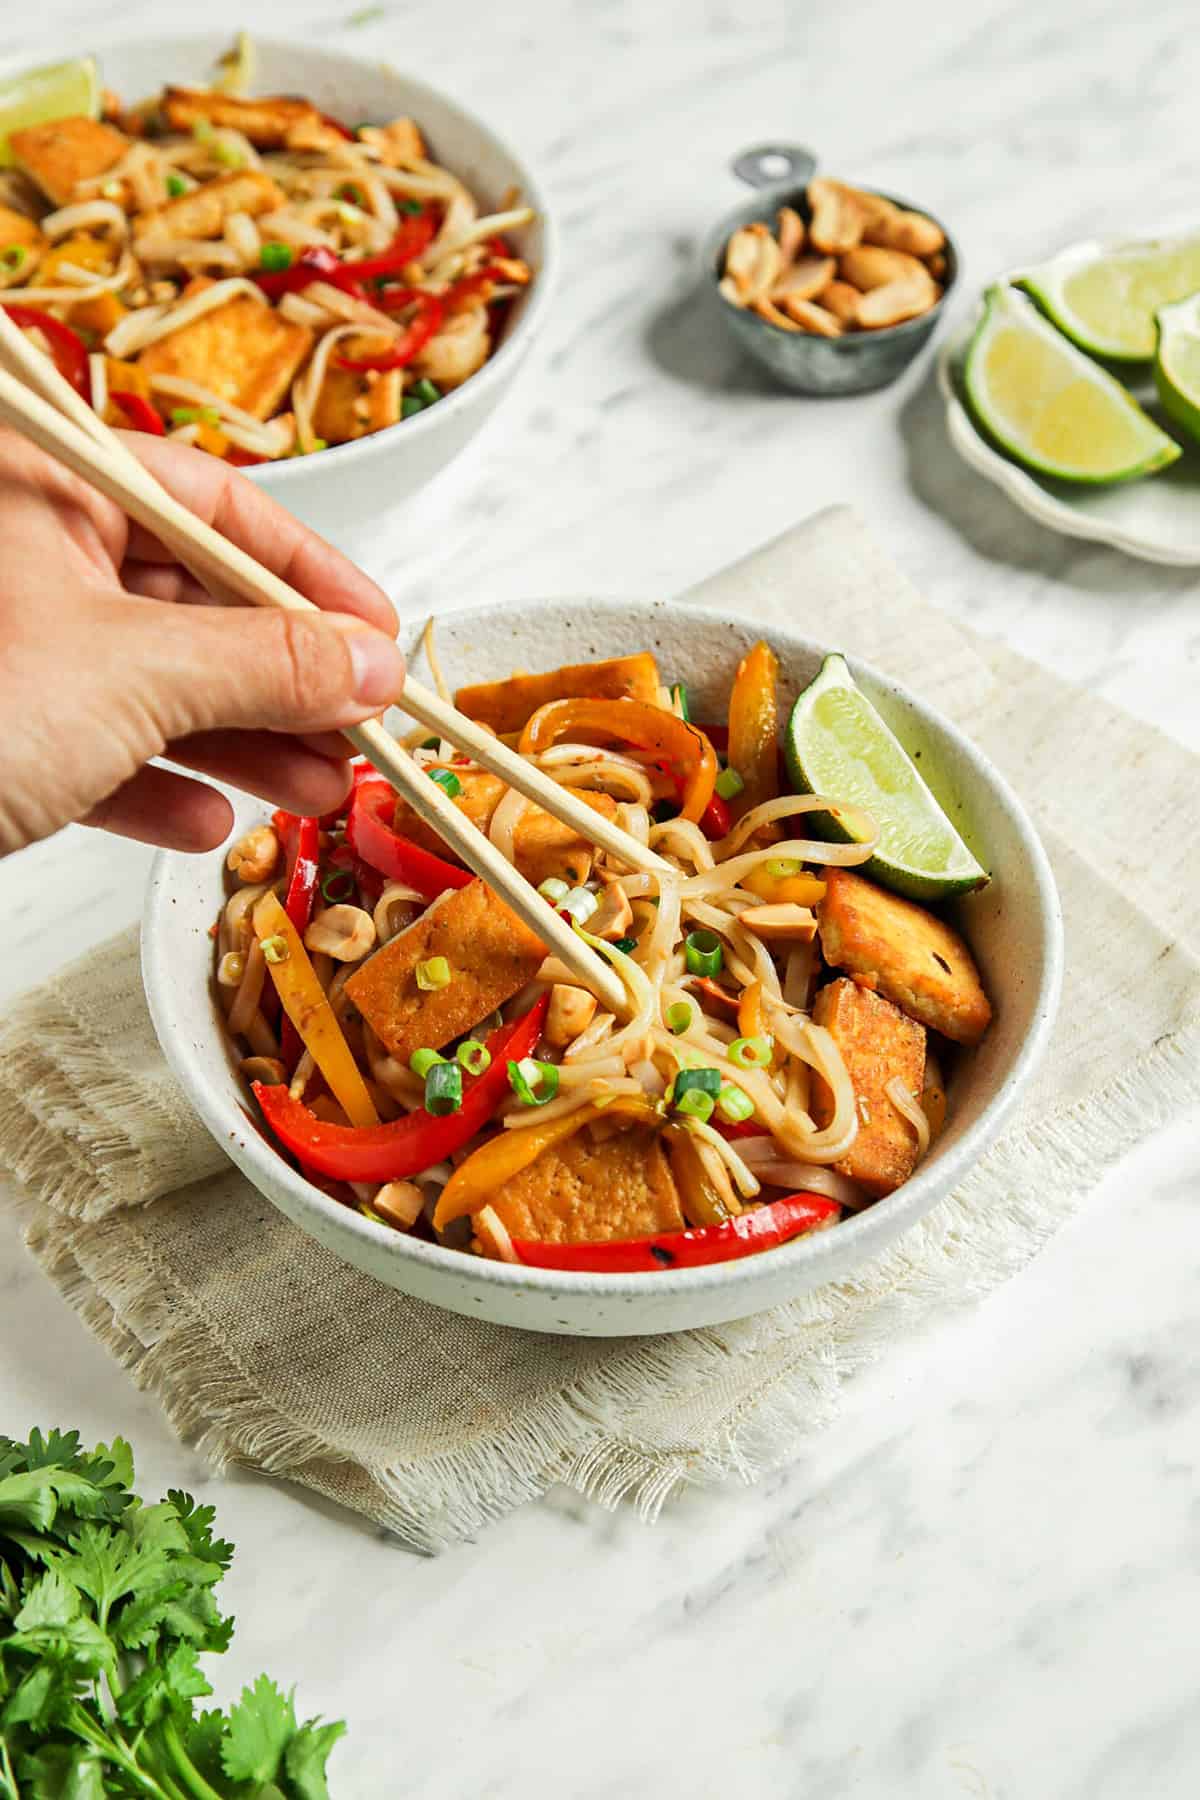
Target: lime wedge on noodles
[[61, 91], [1106, 300], [837, 745], [1049, 406], [1177, 363]]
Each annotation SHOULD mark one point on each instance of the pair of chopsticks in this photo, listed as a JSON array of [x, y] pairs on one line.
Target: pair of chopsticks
[[41, 404]]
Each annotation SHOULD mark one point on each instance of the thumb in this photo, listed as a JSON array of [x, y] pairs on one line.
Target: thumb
[[202, 668]]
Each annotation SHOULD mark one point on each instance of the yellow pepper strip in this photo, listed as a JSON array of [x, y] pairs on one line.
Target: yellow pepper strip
[[305, 1004], [754, 728], [775, 890], [752, 1020], [479, 1179]]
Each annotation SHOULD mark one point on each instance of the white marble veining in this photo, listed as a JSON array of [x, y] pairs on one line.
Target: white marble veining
[[984, 1580]]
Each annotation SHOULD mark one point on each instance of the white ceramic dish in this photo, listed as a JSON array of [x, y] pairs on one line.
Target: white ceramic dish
[[1157, 519], [1014, 926], [345, 492]]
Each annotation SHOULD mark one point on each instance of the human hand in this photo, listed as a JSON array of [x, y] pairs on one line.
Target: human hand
[[111, 654]]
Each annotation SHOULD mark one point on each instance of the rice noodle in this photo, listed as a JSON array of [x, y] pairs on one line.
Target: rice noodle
[[303, 312], [601, 1088], [306, 392], [395, 893], [812, 1179], [787, 806], [904, 1103], [136, 333], [673, 832], [345, 306], [429, 651], [743, 1178], [491, 225], [504, 822], [264, 438], [289, 227], [241, 234], [590, 1036], [98, 379], [73, 294], [85, 215]]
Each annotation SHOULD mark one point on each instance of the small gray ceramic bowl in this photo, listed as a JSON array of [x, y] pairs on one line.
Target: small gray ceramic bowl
[[853, 364], [1014, 927]]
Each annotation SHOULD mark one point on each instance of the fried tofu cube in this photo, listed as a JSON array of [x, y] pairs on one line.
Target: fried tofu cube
[[478, 797], [542, 845], [905, 951], [508, 705], [21, 243], [266, 122], [584, 1191], [356, 402], [203, 212], [491, 953], [60, 155], [400, 144], [878, 1043], [243, 350]]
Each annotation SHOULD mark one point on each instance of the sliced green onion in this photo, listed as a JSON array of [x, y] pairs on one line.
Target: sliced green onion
[[425, 391], [554, 890], [369, 1213], [202, 131], [13, 256], [679, 699], [176, 185], [430, 743], [195, 415], [581, 903], [276, 257], [275, 949], [703, 1081], [446, 778], [474, 1056], [410, 405], [702, 953], [432, 974], [443, 1089], [626, 945], [780, 867], [752, 1052], [337, 886], [227, 154], [407, 206], [679, 1017], [695, 1104], [733, 1105], [421, 1061], [729, 784], [533, 1082]]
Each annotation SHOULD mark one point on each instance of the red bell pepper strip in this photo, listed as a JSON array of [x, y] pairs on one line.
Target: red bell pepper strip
[[738, 1128], [69, 349], [139, 412], [468, 286], [305, 867], [744, 1235], [426, 320], [317, 264], [715, 820], [415, 235], [405, 1146], [243, 459], [369, 834]]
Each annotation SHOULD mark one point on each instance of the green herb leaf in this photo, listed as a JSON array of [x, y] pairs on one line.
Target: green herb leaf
[[305, 1758], [260, 1728]]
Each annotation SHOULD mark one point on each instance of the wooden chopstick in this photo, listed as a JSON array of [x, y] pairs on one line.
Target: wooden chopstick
[[123, 480]]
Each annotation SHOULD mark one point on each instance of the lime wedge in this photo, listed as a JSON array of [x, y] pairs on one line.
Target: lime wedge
[[1106, 300], [1177, 363], [61, 91], [837, 745], [1049, 406]]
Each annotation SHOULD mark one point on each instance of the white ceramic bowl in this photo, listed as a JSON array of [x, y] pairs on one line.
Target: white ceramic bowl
[[1014, 927], [345, 492]]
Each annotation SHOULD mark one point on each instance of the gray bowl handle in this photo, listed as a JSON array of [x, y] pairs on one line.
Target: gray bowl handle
[[771, 165]]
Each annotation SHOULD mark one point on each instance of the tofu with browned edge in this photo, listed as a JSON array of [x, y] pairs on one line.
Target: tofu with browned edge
[[583, 1191], [878, 1042], [507, 705], [491, 953], [908, 953], [242, 350], [202, 213], [60, 155], [542, 845], [266, 122]]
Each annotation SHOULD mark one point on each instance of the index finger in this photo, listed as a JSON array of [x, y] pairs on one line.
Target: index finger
[[225, 499]]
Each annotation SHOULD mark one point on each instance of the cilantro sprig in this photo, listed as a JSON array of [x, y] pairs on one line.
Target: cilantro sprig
[[106, 1607]]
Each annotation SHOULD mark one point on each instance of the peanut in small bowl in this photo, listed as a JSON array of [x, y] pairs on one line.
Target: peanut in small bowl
[[832, 288]]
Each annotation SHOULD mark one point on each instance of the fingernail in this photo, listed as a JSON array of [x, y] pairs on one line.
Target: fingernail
[[378, 666]]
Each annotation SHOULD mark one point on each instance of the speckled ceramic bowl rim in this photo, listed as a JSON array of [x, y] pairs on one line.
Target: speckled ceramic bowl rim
[[774, 197], [226, 1117], [194, 47]]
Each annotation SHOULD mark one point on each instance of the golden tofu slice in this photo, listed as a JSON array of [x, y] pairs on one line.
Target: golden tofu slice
[[21, 244], [266, 122], [583, 1191], [60, 155], [542, 845], [492, 956], [203, 212], [243, 351], [356, 402], [909, 954], [507, 705], [878, 1042]]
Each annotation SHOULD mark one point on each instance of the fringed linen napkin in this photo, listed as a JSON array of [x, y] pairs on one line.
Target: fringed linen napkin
[[265, 1350]]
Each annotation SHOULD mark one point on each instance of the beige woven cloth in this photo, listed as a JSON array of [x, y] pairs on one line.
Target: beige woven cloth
[[265, 1350]]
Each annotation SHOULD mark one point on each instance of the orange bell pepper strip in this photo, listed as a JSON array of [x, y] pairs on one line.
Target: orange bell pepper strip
[[483, 1175], [754, 728], [305, 1004], [752, 1020], [662, 736], [776, 890]]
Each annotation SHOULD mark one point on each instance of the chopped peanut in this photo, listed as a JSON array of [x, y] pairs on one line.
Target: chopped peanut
[[571, 1011]]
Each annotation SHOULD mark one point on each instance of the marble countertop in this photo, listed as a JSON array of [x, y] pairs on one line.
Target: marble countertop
[[983, 1580]]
